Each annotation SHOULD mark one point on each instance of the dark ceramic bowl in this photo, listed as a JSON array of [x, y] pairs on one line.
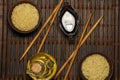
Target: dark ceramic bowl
[[12, 25], [108, 60], [67, 7]]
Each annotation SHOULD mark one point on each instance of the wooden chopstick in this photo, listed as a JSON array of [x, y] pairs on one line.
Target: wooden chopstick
[[82, 42], [49, 28], [37, 35], [85, 28]]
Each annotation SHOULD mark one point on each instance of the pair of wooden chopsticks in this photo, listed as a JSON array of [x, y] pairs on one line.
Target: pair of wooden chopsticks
[[50, 19], [80, 43]]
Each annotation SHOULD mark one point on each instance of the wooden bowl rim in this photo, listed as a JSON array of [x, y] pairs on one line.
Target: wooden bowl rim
[[10, 21], [105, 56]]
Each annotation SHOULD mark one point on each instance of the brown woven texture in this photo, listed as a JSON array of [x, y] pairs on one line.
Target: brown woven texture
[[105, 39]]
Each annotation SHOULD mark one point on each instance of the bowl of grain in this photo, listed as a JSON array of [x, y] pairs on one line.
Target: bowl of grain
[[24, 17], [96, 66]]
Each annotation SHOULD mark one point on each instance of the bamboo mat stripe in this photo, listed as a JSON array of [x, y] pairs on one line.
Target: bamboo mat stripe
[[105, 39]]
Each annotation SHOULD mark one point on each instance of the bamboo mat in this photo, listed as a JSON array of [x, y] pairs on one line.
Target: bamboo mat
[[105, 39]]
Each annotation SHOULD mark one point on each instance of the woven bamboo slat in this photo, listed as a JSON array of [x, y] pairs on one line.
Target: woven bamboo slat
[[105, 39]]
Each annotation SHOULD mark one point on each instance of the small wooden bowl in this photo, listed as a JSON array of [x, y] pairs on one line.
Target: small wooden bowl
[[67, 7], [106, 57], [12, 25]]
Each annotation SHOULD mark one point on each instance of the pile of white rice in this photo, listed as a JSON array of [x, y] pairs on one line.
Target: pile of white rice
[[95, 67], [25, 17]]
